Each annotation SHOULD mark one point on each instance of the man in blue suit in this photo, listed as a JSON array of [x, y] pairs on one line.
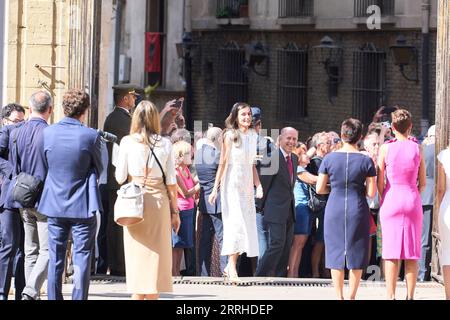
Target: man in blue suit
[[11, 247], [26, 154], [70, 198]]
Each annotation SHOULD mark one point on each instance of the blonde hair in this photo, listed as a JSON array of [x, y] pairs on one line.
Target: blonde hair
[[180, 149], [146, 121], [213, 135]]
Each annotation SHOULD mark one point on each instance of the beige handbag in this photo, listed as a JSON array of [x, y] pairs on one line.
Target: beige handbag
[[129, 206]]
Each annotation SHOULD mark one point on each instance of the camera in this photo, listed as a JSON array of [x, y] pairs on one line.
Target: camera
[[386, 124], [108, 137], [179, 103]]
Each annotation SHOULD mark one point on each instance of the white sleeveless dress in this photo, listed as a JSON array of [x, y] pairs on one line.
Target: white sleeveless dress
[[444, 211], [237, 199]]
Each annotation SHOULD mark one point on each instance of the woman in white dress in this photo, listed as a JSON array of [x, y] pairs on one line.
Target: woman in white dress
[[236, 178], [443, 203]]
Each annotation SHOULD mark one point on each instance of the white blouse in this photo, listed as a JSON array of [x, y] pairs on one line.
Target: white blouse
[[133, 154]]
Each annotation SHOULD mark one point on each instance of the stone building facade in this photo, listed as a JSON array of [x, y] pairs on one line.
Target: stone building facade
[[318, 111]]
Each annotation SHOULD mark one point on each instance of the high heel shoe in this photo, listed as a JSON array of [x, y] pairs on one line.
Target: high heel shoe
[[225, 273], [231, 278]]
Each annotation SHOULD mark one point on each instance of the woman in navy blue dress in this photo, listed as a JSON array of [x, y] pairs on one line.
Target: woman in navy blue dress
[[352, 177]]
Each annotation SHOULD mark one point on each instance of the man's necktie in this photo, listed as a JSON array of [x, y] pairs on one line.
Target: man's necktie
[[290, 167]]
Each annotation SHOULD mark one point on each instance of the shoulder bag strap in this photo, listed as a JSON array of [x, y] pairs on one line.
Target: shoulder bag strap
[[146, 169], [17, 167], [159, 164]]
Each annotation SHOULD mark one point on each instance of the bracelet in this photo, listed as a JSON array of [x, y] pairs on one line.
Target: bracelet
[[174, 212]]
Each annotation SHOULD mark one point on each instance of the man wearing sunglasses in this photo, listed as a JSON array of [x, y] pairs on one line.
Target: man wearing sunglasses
[[11, 228]]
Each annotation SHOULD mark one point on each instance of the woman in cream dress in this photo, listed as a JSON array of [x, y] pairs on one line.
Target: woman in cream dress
[[237, 177], [443, 203], [148, 247]]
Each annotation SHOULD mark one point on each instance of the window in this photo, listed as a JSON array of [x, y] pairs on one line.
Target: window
[[232, 79], [369, 82], [387, 7], [292, 82], [156, 13], [232, 9], [296, 8]]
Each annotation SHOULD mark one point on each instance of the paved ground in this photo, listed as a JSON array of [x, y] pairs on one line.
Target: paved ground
[[256, 289]]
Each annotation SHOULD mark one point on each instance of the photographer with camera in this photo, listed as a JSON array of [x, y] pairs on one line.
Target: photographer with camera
[[172, 117]]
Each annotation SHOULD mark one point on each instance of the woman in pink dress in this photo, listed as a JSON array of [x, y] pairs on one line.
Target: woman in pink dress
[[401, 179]]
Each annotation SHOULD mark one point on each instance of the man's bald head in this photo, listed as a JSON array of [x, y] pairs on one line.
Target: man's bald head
[[288, 139], [41, 102], [289, 130]]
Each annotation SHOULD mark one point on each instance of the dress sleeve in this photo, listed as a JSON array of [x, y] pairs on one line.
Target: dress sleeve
[[122, 162], [324, 166], [171, 177], [371, 171]]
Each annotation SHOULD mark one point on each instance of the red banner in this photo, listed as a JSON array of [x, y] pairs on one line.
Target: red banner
[[153, 52]]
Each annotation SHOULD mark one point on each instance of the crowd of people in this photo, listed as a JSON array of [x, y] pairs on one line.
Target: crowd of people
[[228, 202]]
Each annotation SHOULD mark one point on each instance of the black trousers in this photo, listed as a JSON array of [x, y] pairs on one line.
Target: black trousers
[[114, 240], [275, 260]]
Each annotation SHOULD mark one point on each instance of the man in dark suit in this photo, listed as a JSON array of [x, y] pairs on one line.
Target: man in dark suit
[[207, 161], [71, 197], [278, 206], [117, 123], [26, 154], [11, 247]]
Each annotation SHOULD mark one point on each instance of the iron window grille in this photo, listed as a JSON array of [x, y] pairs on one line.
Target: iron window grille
[[387, 7], [292, 82], [296, 8], [232, 78], [369, 82]]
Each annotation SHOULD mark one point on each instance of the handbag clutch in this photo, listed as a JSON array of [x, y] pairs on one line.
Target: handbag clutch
[[129, 206]]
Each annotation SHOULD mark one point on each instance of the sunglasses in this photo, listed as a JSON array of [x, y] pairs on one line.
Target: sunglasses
[[15, 120]]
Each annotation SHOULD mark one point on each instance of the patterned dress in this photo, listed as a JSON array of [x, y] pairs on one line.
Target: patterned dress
[[237, 198]]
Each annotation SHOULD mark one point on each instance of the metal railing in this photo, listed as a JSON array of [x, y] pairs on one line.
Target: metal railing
[[232, 78], [369, 82], [292, 82], [387, 7], [296, 8]]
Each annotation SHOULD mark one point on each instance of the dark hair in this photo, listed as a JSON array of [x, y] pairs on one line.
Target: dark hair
[[351, 131], [119, 95], [231, 123], [384, 114], [309, 143], [401, 120], [10, 108], [75, 103]]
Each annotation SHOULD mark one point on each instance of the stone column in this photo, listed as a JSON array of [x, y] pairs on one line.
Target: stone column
[[442, 109]]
